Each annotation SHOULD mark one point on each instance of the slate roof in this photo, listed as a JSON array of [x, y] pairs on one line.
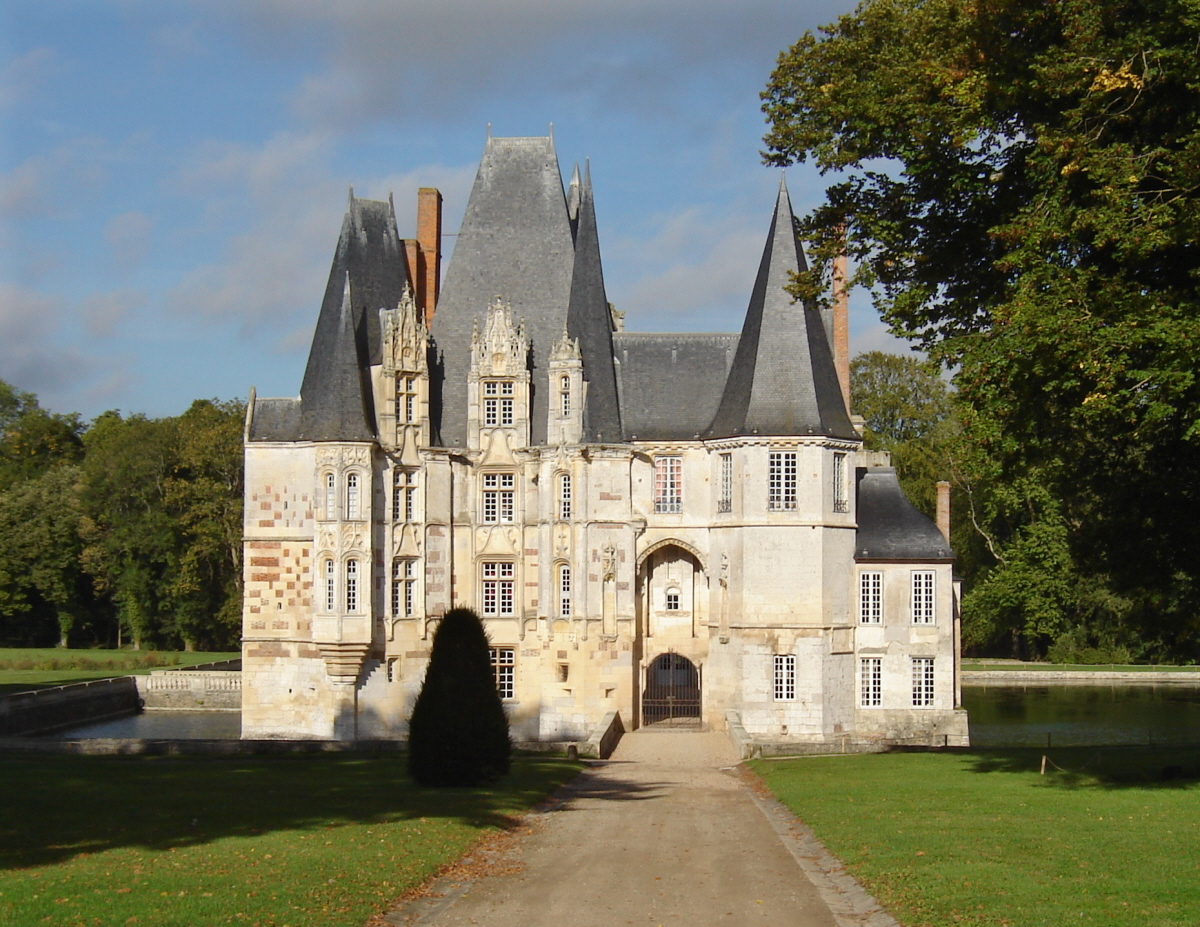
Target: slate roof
[[588, 320], [275, 420], [889, 526], [671, 384], [783, 380], [515, 243]]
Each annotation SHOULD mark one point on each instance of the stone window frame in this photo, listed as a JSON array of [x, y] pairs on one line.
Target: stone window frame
[[498, 497], [668, 484], [671, 599], [355, 483], [922, 682], [404, 488], [406, 399], [498, 403], [404, 587], [504, 671], [564, 396], [564, 590], [565, 497], [351, 586], [497, 588], [785, 677], [870, 682], [923, 599], [782, 467], [725, 484], [329, 478], [329, 580], [870, 597], [841, 497]]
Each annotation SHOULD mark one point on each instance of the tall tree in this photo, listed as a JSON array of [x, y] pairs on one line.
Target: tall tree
[[1021, 184]]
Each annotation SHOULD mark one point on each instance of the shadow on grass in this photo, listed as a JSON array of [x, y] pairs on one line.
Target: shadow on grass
[[57, 807], [1117, 767]]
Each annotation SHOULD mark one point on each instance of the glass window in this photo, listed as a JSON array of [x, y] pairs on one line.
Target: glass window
[[564, 591], [564, 496], [781, 481], [672, 601], [498, 402], [404, 582], [330, 587], [352, 506], [923, 597], [498, 588], [498, 496], [504, 669], [841, 501], [785, 677], [922, 682], [725, 499], [668, 484], [871, 682], [564, 392], [351, 586], [870, 597]]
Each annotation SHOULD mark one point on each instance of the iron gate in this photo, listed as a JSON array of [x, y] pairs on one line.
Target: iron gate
[[672, 689]]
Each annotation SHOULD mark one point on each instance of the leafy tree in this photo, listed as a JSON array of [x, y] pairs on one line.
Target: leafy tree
[[1020, 181], [32, 439], [458, 732]]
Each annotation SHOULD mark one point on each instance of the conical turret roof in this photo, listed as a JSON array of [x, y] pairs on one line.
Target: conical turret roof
[[783, 380], [589, 321]]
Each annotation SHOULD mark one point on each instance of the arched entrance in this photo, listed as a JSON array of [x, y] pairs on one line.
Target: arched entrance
[[672, 691]]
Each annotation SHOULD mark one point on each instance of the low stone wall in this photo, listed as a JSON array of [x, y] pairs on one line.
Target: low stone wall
[[750, 747], [44, 710], [1076, 678], [111, 746], [191, 690]]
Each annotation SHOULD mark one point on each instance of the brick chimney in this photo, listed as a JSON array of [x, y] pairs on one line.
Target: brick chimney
[[841, 319], [943, 509], [429, 245]]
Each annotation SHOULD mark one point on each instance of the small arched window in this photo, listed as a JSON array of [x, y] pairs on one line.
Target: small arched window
[[564, 591], [351, 585], [330, 587], [330, 496], [564, 393], [352, 497], [564, 496]]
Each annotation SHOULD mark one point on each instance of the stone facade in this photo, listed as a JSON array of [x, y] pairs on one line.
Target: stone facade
[[668, 576]]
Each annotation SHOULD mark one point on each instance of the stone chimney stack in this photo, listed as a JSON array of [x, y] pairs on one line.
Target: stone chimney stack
[[429, 243], [943, 509], [841, 320]]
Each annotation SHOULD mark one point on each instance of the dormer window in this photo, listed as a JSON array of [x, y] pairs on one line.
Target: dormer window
[[564, 392], [499, 490], [406, 400], [498, 402]]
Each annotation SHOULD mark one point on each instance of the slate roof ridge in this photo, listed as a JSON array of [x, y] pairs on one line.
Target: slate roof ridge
[[783, 380], [589, 322]]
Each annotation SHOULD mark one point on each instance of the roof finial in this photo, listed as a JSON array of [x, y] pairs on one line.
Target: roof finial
[[489, 132], [552, 133]]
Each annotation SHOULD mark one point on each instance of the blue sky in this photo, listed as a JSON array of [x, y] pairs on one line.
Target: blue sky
[[173, 175]]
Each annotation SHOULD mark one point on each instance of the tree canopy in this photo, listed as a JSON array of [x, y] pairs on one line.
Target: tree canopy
[[1020, 185]]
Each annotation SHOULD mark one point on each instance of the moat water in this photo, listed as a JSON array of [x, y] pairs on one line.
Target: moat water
[[1000, 716], [1074, 715]]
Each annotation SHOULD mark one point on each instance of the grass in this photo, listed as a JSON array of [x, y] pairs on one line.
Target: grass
[[24, 668], [981, 838], [178, 842]]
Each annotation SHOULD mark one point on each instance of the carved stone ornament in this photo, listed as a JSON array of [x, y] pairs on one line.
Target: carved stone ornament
[[501, 348], [353, 537], [357, 454], [725, 570], [610, 562], [404, 337], [326, 538], [329, 455], [565, 348]]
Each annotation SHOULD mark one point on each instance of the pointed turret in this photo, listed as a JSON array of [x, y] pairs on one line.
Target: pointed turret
[[783, 380], [590, 323], [335, 400], [368, 274], [515, 243]]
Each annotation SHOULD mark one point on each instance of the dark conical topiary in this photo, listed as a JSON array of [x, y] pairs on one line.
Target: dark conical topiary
[[458, 732]]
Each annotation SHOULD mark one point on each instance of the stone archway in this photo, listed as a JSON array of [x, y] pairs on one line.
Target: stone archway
[[672, 690]]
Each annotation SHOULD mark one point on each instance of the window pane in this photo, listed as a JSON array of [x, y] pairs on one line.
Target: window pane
[[668, 484], [781, 481], [870, 609]]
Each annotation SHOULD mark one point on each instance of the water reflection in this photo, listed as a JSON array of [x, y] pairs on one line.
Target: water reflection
[[163, 725], [1073, 715]]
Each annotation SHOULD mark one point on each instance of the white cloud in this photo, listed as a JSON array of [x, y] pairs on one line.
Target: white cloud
[[103, 312]]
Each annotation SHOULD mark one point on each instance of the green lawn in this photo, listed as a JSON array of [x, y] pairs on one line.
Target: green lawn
[[23, 668], [302, 840], [981, 837]]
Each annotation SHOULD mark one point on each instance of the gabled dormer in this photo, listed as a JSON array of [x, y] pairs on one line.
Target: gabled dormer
[[498, 382], [567, 391], [404, 411]]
